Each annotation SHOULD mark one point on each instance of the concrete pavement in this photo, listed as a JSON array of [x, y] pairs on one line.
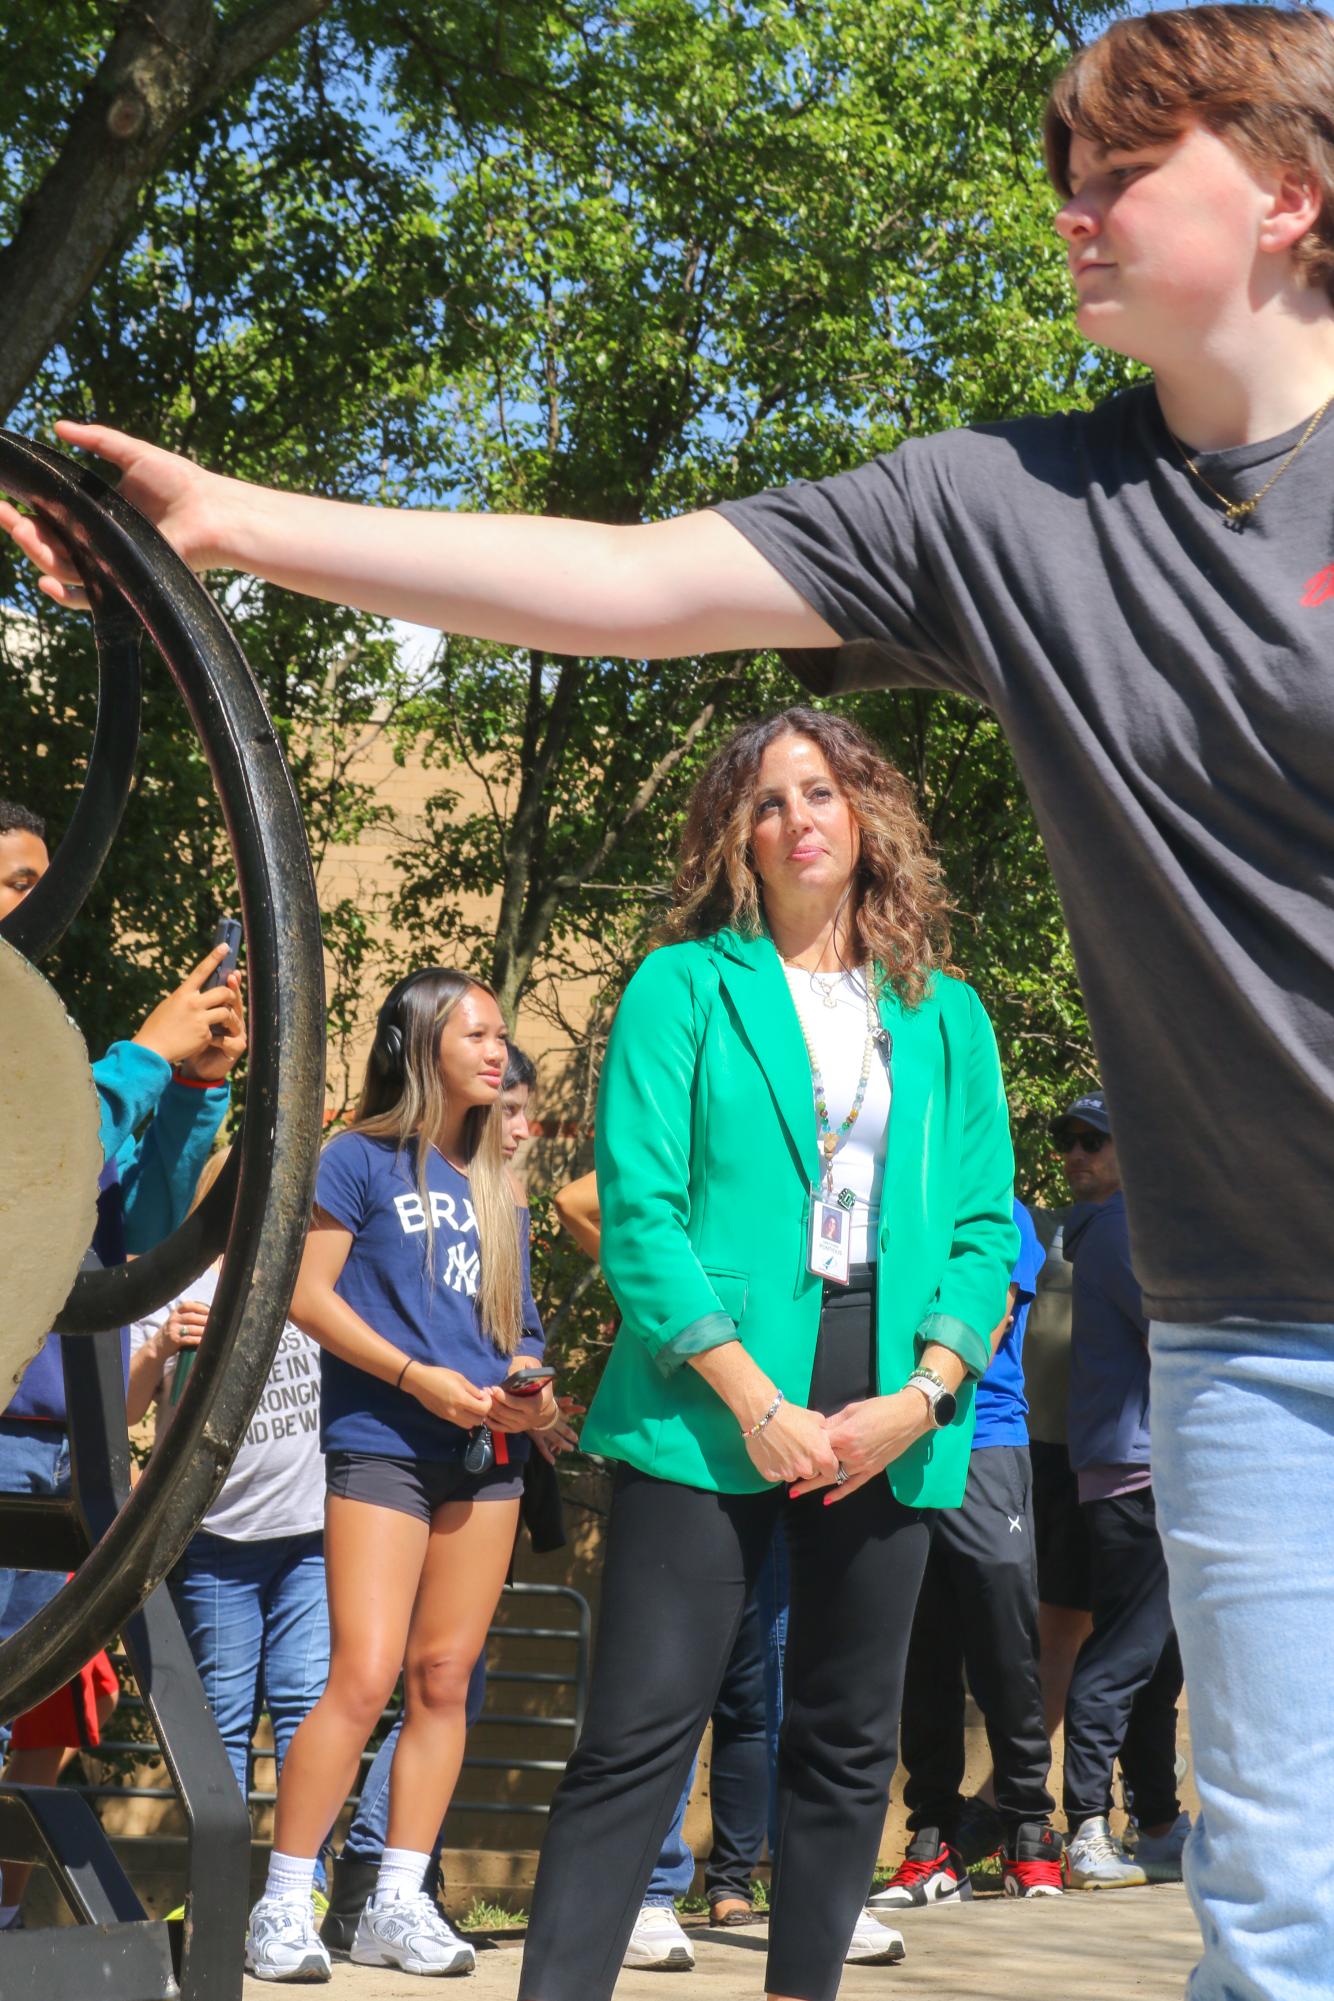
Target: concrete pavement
[[1103, 1946]]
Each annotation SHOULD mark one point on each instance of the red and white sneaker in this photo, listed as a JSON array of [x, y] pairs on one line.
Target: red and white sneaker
[[930, 1873], [1032, 1864]]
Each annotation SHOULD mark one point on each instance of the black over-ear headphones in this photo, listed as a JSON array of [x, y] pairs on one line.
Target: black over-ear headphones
[[388, 1051]]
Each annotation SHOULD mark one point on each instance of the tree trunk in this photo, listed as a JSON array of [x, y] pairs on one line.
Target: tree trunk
[[161, 67]]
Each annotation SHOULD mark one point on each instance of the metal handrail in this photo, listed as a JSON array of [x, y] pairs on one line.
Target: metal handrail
[[578, 1633]]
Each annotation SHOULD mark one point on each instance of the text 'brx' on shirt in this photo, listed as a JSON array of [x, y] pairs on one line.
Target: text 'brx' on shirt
[[429, 1312]]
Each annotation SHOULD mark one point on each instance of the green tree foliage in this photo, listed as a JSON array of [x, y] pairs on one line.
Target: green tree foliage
[[614, 263]]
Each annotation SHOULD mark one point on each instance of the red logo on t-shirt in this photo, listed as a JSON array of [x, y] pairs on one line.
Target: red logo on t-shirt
[[1320, 587]]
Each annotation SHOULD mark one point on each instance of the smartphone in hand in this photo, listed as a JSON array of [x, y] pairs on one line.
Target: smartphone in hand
[[528, 1382], [228, 933]]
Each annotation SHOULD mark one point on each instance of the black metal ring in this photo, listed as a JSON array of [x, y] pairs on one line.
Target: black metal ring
[[45, 914], [125, 558]]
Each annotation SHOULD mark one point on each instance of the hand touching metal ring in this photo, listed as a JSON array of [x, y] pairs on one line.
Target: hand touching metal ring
[[841, 1474]]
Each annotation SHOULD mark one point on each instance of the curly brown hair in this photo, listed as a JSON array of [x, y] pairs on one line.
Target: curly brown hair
[[899, 912]]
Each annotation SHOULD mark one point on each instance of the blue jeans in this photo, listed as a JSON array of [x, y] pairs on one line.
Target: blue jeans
[[747, 1717], [369, 1832], [34, 1459], [257, 1620], [1243, 1471]]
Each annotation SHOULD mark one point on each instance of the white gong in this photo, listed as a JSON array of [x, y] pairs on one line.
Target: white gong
[[50, 1159]]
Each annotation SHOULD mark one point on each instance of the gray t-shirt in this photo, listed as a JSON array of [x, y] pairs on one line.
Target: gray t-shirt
[[1167, 685]]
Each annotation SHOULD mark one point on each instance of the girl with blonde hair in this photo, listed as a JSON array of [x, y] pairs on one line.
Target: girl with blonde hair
[[415, 1285]]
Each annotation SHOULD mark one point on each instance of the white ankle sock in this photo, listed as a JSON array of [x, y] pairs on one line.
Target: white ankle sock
[[290, 1877], [401, 1873]]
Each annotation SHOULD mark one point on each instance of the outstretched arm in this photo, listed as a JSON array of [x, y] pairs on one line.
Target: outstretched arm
[[691, 585]]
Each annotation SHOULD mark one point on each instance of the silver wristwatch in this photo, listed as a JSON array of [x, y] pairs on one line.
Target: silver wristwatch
[[941, 1402]]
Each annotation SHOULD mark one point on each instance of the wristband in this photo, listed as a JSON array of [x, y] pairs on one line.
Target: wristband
[[398, 1380], [197, 1083], [772, 1411]]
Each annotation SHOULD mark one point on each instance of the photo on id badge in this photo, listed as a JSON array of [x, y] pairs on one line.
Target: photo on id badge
[[829, 1237]]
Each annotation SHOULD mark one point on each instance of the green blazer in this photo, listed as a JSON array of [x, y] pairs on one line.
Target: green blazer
[[706, 1148]]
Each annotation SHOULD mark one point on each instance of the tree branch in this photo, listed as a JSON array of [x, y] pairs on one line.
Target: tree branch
[[160, 68]]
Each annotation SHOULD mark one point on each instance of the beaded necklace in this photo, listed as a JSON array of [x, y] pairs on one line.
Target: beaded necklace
[[831, 1137]]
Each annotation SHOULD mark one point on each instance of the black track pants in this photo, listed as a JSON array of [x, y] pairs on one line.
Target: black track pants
[[978, 1614]]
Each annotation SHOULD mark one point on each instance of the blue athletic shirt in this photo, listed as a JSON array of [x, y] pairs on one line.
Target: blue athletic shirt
[[1000, 1403], [370, 1187]]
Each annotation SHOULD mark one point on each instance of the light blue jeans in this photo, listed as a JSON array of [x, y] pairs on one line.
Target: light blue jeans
[[257, 1620], [1243, 1471], [34, 1459]]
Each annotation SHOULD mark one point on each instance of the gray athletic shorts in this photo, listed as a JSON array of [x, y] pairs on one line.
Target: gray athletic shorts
[[416, 1486]]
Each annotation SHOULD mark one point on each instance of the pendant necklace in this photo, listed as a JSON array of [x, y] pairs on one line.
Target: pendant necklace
[[1236, 513], [831, 1137]]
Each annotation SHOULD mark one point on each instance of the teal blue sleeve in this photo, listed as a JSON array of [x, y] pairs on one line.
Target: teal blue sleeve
[[643, 1163], [701, 1335], [159, 1171], [974, 1291], [129, 1080]]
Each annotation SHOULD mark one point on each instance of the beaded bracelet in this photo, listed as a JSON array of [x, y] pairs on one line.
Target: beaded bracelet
[[771, 1412]]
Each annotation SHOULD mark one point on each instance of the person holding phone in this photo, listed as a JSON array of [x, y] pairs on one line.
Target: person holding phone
[[249, 1586], [415, 1285], [356, 1869]]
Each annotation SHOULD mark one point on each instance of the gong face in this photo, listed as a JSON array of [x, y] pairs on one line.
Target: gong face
[[52, 1159]]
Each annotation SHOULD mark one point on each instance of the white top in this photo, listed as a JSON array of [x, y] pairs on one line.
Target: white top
[[275, 1485], [832, 1008]]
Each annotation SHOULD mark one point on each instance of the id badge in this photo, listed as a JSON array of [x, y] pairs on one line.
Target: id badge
[[830, 1238]]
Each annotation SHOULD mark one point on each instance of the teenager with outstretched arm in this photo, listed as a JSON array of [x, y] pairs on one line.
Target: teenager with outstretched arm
[[1144, 595]]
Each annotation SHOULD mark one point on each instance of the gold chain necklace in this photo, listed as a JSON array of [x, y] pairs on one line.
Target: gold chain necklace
[[1236, 513]]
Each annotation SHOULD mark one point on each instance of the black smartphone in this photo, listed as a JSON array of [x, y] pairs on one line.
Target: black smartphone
[[527, 1382], [228, 933]]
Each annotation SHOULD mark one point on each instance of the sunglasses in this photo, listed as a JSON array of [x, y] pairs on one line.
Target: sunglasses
[[1087, 1142]]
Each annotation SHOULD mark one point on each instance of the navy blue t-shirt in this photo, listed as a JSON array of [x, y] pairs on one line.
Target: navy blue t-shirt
[[370, 1187], [1000, 1403]]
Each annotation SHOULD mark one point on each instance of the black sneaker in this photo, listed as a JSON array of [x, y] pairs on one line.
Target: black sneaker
[[930, 1873], [1032, 1865], [350, 1887]]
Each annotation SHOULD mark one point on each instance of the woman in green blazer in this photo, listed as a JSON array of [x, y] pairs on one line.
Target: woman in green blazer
[[805, 1177]]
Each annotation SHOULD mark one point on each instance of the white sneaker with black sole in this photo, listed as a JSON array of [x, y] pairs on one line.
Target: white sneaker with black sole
[[410, 1933], [874, 1944], [1095, 1859], [658, 1944], [282, 1942]]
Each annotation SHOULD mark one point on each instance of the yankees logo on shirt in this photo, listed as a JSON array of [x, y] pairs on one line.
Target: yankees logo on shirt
[[413, 1273]]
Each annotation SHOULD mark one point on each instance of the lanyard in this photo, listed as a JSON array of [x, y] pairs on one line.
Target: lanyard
[[829, 1136]]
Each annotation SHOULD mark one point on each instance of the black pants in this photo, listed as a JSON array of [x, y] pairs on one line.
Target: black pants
[[739, 1766], [680, 1564], [978, 1614], [1129, 1666]]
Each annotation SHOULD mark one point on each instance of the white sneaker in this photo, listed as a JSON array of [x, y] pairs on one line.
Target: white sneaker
[[411, 1934], [282, 1942], [1095, 1860], [1159, 1855], [658, 1943], [874, 1944]]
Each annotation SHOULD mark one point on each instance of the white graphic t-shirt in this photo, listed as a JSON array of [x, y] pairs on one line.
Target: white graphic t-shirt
[[276, 1483]]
